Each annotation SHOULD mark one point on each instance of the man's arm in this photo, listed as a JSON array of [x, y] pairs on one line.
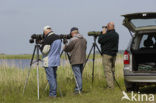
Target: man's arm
[[50, 39], [69, 47], [102, 38]]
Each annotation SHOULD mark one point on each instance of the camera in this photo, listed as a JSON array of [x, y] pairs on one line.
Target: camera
[[38, 38], [96, 33], [65, 36]]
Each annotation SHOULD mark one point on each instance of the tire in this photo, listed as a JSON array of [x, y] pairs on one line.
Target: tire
[[130, 86]]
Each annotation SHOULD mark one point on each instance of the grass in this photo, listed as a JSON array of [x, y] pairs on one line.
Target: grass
[[24, 56], [28, 56], [12, 82]]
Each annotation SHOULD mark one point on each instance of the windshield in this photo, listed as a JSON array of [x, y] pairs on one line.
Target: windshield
[[143, 22]]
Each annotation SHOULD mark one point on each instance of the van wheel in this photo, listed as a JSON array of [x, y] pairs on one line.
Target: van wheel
[[131, 86]]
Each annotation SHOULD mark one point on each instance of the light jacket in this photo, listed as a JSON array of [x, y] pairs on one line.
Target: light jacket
[[51, 54]]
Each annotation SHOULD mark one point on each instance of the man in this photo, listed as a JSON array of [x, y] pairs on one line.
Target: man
[[109, 40], [77, 48], [51, 58]]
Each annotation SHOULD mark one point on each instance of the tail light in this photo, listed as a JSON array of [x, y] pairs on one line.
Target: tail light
[[126, 57]]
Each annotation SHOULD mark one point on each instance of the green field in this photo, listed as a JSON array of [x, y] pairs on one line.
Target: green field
[[12, 83]]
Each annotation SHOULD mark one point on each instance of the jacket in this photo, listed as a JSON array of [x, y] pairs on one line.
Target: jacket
[[51, 53], [77, 48], [109, 42]]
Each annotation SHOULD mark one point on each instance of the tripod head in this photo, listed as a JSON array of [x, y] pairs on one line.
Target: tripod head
[[94, 39]]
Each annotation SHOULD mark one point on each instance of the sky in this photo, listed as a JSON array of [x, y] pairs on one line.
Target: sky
[[19, 19]]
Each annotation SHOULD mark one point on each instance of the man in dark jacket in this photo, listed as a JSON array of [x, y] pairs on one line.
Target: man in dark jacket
[[77, 48], [109, 40]]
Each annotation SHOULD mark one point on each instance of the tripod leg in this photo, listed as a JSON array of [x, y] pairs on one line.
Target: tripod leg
[[32, 58], [26, 81], [98, 49], [77, 84], [74, 75], [46, 86], [31, 62], [57, 86], [61, 53], [38, 95], [93, 64], [68, 57], [38, 82], [88, 56], [60, 90], [118, 84]]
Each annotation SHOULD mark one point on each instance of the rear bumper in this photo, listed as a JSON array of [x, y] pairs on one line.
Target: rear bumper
[[130, 76], [140, 78]]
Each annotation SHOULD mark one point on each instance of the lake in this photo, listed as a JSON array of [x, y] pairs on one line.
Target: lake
[[22, 63]]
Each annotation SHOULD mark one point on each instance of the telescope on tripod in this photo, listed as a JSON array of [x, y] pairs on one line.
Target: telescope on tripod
[[94, 46]]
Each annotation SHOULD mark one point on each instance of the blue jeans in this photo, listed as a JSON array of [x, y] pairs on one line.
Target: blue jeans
[[51, 77], [77, 69]]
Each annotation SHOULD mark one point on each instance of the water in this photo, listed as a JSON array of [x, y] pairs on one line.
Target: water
[[19, 63], [23, 63]]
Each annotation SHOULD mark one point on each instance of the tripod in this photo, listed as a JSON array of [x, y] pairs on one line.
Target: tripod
[[94, 46], [36, 49]]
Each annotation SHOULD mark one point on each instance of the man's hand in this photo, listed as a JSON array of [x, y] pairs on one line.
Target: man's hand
[[65, 41], [104, 31]]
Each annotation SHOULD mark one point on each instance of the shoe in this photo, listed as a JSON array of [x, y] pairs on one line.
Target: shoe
[[77, 92]]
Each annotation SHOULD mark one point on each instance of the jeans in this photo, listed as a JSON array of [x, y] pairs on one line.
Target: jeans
[[51, 77], [77, 69]]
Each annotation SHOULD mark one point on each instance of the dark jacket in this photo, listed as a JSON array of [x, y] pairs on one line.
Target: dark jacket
[[77, 48], [109, 43], [49, 39]]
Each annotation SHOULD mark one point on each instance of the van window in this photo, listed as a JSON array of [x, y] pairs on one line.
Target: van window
[[148, 41], [143, 22]]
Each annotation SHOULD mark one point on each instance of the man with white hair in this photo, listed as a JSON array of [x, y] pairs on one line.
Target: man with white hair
[[51, 58], [109, 40]]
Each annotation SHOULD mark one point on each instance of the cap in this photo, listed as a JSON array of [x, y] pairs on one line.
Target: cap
[[74, 28], [46, 27]]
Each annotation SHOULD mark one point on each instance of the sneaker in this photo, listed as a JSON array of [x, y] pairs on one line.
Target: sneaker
[[77, 92]]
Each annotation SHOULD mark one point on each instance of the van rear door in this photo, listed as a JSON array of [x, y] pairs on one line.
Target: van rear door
[[140, 21]]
